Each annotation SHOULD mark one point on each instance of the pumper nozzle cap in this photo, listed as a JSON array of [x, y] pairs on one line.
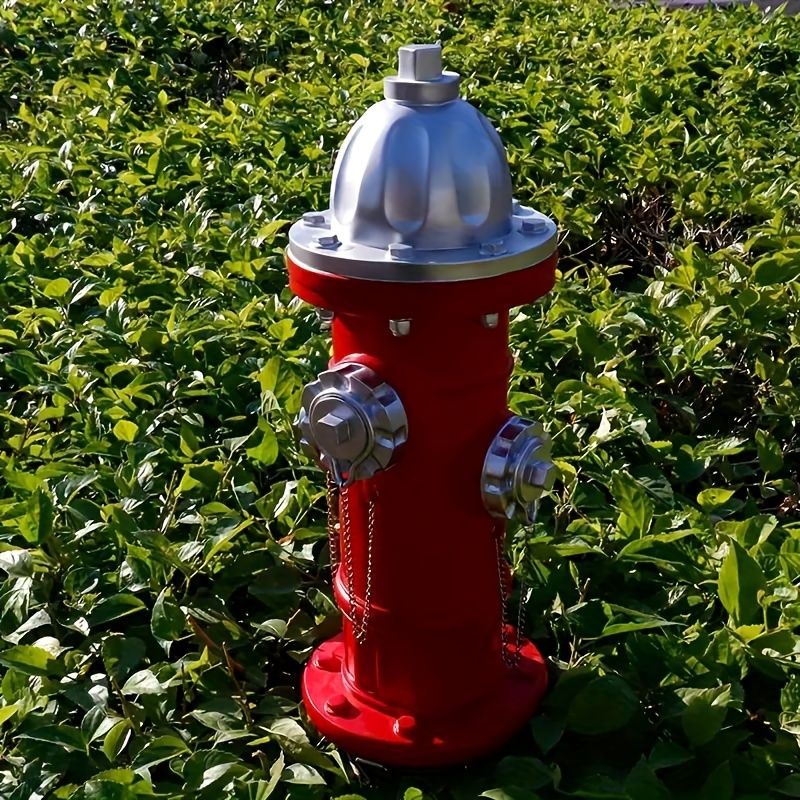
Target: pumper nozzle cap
[[420, 79]]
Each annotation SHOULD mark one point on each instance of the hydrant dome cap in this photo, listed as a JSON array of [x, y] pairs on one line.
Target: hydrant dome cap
[[421, 190], [434, 177]]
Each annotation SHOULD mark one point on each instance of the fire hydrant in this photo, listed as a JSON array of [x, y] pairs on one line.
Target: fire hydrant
[[416, 265]]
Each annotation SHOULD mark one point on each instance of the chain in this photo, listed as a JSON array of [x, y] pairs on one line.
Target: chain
[[360, 622], [333, 520], [511, 659]]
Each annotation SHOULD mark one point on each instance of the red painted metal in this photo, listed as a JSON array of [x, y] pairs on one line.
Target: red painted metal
[[429, 684]]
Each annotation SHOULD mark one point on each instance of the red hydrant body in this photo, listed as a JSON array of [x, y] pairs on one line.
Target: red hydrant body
[[406, 420]]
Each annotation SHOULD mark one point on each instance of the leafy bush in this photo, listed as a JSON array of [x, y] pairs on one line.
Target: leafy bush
[[164, 541]]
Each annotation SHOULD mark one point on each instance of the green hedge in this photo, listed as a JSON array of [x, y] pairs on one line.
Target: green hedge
[[163, 539]]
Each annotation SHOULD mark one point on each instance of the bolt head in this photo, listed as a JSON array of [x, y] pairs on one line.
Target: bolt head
[[540, 475], [327, 241], [337, 427], [325, 317], [492, 248], [401, 252], [314, 219], [338, 430], [532, 227], [490, 320], [420, 62], [400, 327]]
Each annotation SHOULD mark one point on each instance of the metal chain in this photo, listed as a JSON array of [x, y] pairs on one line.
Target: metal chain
[[360, 622], [333, 520], [511, 659]]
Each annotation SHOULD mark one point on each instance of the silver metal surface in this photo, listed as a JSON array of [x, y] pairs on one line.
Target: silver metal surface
[[325, 317], [351, 422], [397, 264], [490, 320], [419, 78], [517, 470], [421, 191], [400, 327]]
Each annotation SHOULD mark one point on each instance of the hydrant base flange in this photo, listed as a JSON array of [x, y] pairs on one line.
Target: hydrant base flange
[[393, 736]]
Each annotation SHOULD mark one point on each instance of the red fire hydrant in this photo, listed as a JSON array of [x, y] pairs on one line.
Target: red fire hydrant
[[416, 265]]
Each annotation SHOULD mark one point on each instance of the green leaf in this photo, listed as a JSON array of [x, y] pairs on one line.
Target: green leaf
[[523, 772], [770, 453], [57, 288], [740, 582], [36, 524], [704, 713], [789, 786], [119, 605], [603, 705], [167, 621], [126, 431], [143, 682], [547, 732], [116, 740], [642, 783], [711, 499], [636, 508], [266, 451], [777, 268], [303, 774], [162, 748], [121, 654], [6, 712], [31, 660], [65, 735]]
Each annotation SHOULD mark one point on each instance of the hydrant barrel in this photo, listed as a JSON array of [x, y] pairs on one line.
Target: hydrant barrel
[[416, 264]]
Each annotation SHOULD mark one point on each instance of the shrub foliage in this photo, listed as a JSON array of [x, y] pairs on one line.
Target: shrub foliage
[[162, 539]]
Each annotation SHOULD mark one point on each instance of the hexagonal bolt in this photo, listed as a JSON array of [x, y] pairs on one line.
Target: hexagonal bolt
[[540, 474], [490, 320], [401, 252], [400, 327], [493, 248], [327, 241], [314, 219], [531, 227], [335, 428], [420, 62], [325, 318]]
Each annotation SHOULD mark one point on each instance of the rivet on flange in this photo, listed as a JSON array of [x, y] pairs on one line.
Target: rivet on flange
[[405, 726], [337, 705]]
